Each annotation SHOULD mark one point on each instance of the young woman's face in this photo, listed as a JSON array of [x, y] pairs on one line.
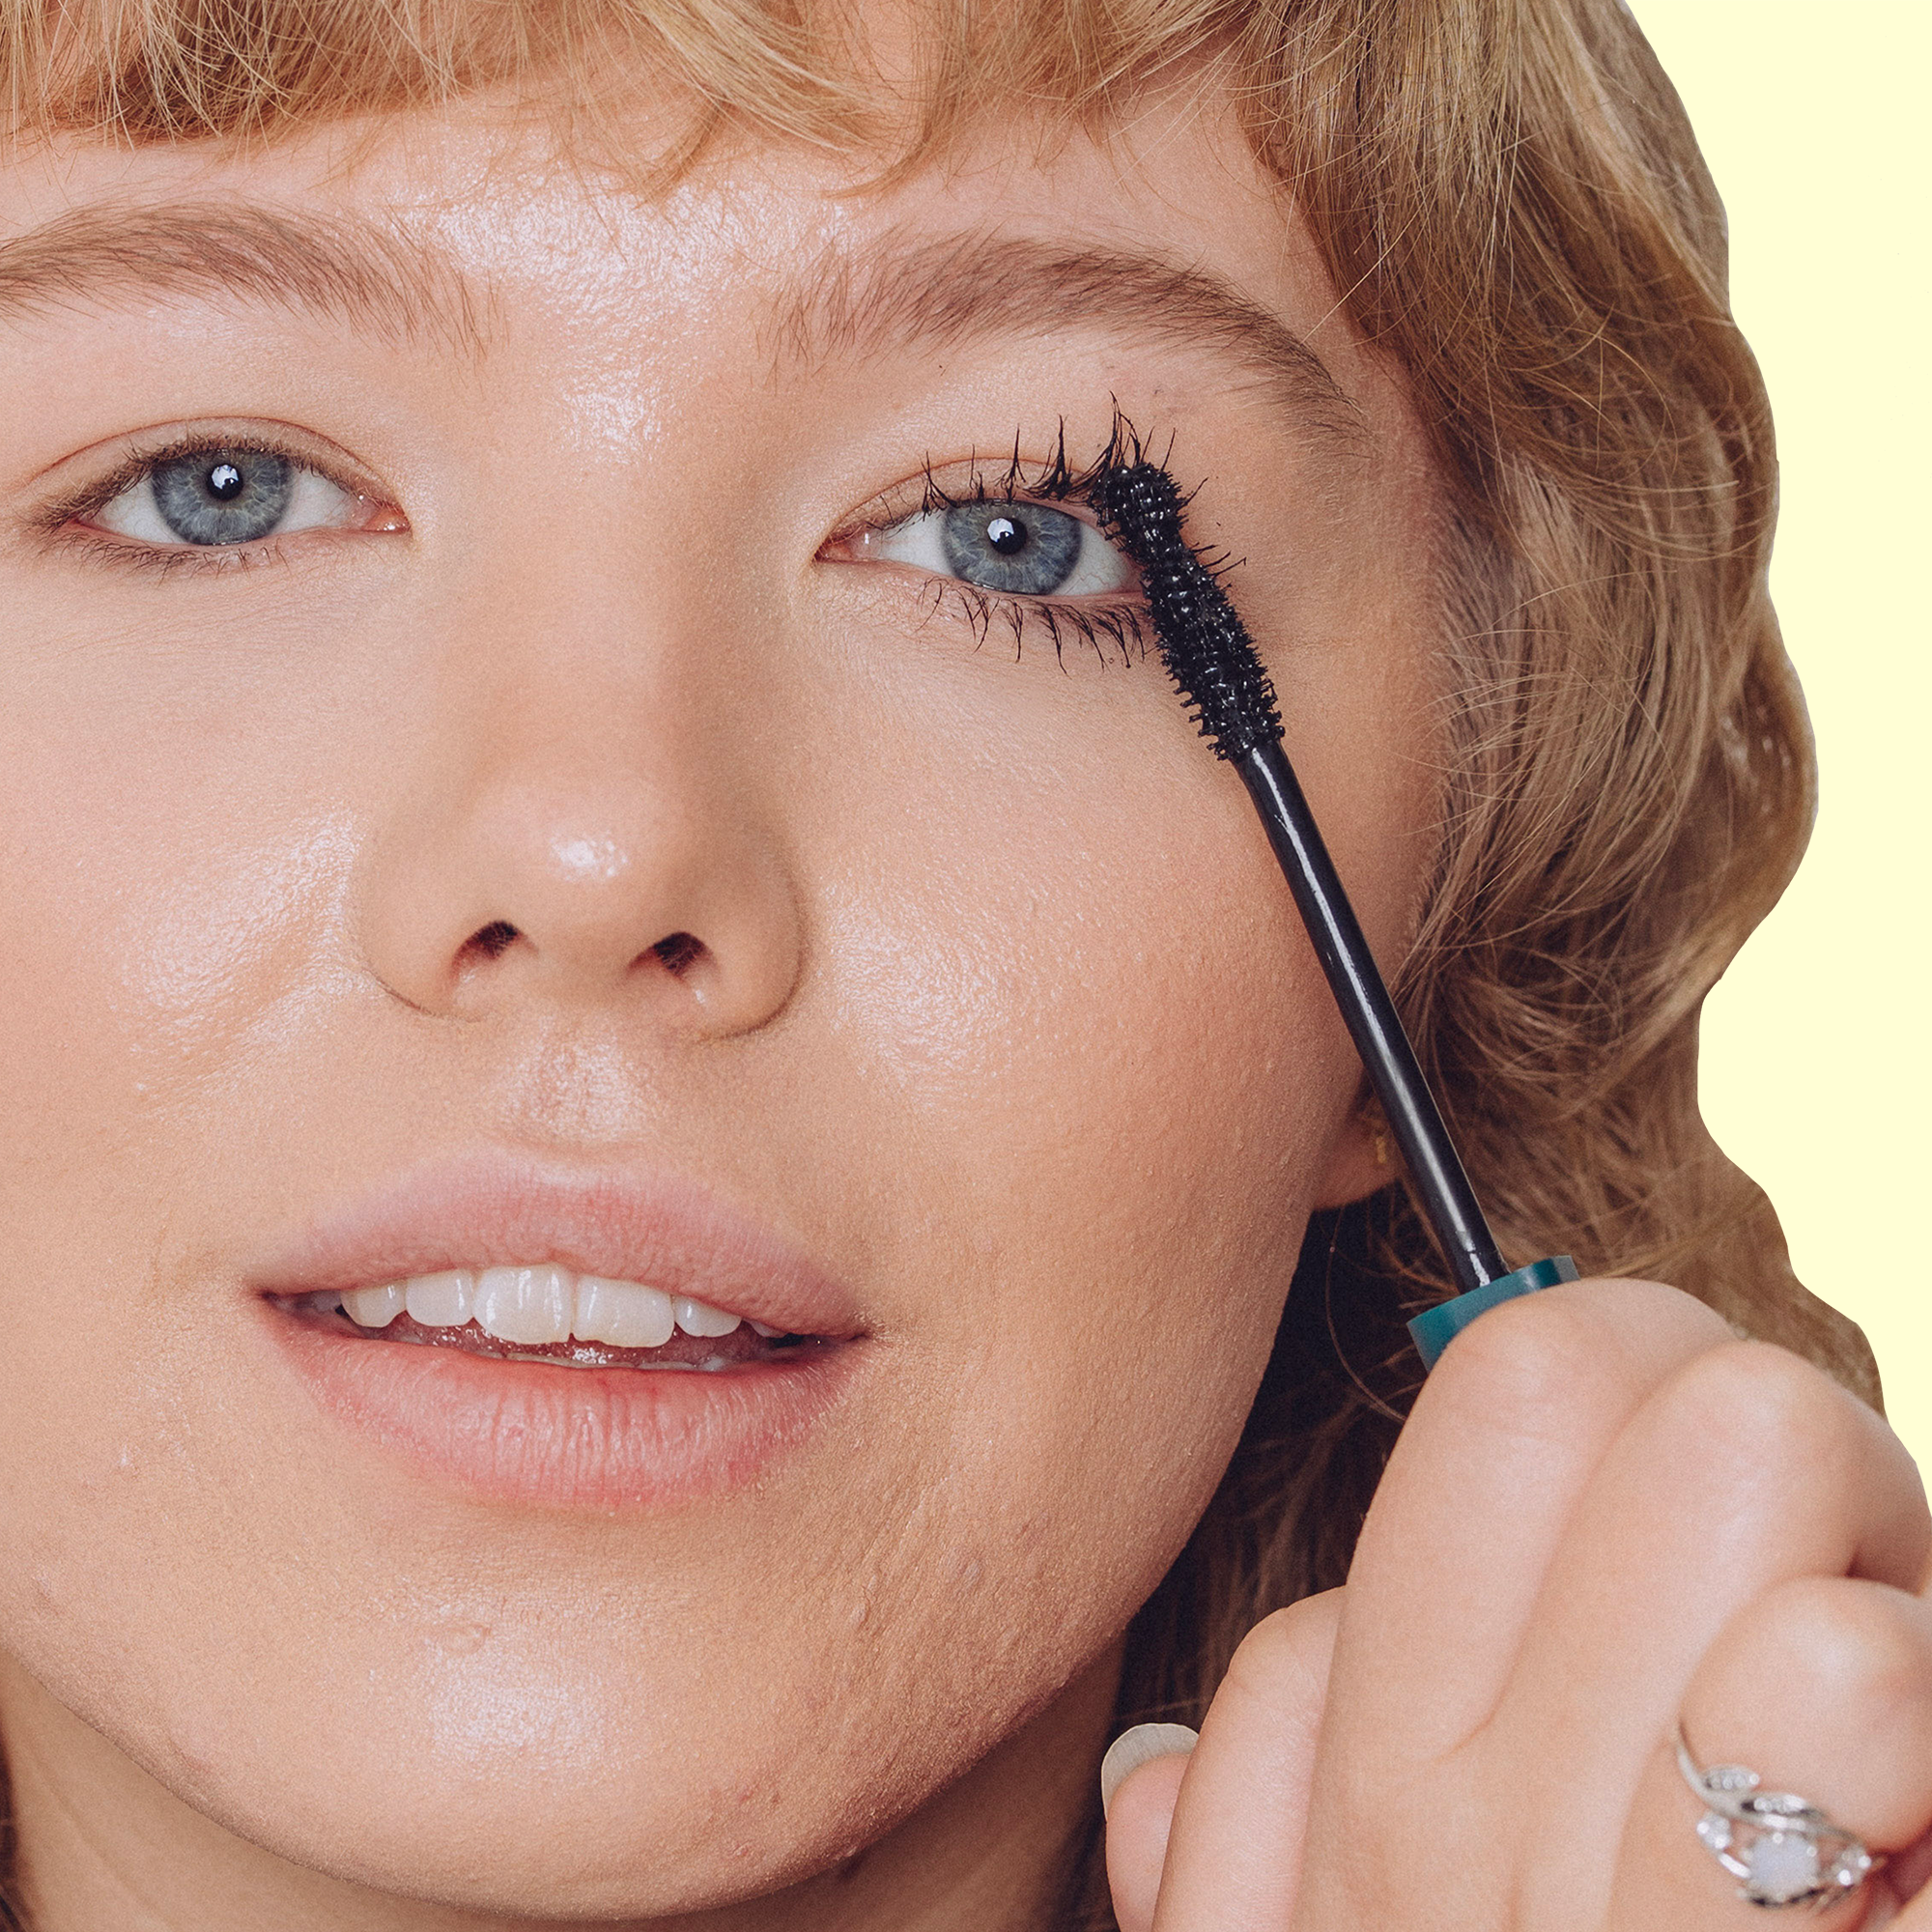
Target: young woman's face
[[504, 765]]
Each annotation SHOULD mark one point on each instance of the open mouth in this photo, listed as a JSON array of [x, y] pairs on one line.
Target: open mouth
[[560, 1338], [460, 1368], [549, 1314]]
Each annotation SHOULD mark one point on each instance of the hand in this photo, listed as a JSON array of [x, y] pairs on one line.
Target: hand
[[1604, 1516]]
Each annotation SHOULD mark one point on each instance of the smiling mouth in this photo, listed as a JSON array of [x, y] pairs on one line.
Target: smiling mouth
[[551, 1314]]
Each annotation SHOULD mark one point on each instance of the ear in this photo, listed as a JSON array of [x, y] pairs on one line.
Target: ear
[[1361, 1158]]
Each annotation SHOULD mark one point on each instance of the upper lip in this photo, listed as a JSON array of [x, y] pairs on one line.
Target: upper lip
[[496, 1210]]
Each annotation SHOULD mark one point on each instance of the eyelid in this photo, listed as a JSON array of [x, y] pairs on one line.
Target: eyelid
[[139, 451]]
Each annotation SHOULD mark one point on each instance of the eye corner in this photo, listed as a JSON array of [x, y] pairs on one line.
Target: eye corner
[[839, 547], [387, 518]]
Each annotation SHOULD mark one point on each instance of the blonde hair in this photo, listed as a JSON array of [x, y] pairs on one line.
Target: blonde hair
[[1512, 205]]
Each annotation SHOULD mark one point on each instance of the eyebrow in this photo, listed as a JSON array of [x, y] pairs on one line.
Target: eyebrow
[[345, 268], [942, 294], [938, 292]]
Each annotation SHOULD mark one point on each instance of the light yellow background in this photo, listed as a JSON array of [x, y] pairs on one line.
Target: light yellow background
[[1816, 1068]]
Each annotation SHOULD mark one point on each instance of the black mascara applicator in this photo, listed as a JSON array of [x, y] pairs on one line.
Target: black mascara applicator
[[1211, 660]]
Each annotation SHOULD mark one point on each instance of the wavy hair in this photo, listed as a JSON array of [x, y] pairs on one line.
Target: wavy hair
[[1513, 208]]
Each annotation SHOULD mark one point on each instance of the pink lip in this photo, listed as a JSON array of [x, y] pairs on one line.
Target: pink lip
[[551, 1435]]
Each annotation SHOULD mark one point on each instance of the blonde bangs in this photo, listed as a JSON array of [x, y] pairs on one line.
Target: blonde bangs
[[145, 71]]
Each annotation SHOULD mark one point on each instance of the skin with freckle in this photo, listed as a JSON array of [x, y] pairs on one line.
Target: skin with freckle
[[969, 924]]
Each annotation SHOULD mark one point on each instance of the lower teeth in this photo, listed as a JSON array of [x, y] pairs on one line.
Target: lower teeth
[[709, 1366], [479, 1342]]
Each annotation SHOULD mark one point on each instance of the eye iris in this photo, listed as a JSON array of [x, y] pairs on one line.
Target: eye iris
[[1022, 548], [223, 495]]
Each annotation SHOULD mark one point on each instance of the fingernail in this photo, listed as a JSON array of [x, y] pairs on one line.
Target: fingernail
[[1133, 1749]]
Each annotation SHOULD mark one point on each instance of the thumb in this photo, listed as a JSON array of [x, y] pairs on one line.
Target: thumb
[[1140, 1778], [1234, 1848]]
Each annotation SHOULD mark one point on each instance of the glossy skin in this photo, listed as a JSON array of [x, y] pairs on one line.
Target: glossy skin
[[1001, 1019]]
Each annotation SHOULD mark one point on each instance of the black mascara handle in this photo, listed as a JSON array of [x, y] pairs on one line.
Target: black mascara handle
[[1434, 1164]]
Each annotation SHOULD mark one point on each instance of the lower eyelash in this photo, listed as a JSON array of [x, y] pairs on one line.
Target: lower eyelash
[[163, 561], [1115, 632]]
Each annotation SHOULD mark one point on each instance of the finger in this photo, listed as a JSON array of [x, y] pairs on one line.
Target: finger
[[1748, 1471], [1234, 1855], [1140, 1814], [1824, 1688], [1503, 1440], [1909, 1874]]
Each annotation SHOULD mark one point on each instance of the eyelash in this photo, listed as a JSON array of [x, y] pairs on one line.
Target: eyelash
[[1121, 629], [57, 522]]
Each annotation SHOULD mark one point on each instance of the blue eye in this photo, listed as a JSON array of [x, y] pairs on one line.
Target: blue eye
[[1020, 549], [226, 495], [223, 495], [1010, 548]]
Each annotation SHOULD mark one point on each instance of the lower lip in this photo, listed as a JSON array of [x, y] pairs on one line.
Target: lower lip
[[601, 1439]]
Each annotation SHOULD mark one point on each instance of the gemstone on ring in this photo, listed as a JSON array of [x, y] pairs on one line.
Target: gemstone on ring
[[1781, 1850]]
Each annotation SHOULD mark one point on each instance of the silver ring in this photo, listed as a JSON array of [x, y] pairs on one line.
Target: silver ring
[[1779, 1849]]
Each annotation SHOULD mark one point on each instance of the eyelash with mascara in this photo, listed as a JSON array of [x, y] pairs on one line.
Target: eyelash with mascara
[[1114, 630]]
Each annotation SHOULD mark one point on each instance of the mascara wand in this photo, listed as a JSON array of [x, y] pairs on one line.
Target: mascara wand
[[1211, 660]]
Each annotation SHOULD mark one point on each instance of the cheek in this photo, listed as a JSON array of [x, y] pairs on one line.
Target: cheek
[[1088, 1035], [168, 897], [1110, 1069], [167, 912]]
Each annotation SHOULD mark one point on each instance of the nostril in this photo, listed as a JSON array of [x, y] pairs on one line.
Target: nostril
[[494, 940], [679, 952]]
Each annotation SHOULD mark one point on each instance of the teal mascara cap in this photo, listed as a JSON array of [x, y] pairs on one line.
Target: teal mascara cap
[[1435, 1328]]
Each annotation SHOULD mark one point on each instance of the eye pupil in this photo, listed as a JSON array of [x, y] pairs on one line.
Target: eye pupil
[[225, 482], [1006, 536]]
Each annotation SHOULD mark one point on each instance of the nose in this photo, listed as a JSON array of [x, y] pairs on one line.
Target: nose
[[565, 835]]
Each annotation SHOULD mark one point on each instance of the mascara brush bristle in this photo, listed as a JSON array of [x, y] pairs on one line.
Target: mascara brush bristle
[[1203, 641]]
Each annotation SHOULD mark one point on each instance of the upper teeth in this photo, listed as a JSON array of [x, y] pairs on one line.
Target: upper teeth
[[531, 1305]]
